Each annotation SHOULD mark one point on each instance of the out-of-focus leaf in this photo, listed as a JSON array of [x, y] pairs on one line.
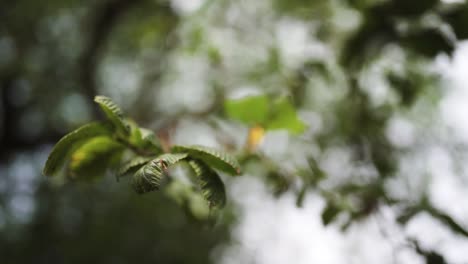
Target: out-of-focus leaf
[[284, 116], [277, 181], [458, 19], [113, 113], [329, 213], [211, 185], [255, 137], [429, 42], [198, 206], [93, 158], [188, 198], [305, 9], [310, 176], [301, 196], [250, 110], [316, 173], [215, 56], [431, 257], [149, 177], [215, 158], [258, 110], [410, 8], [179, 191], [406, 86], [374, 33], [61, 150], [379, 27]]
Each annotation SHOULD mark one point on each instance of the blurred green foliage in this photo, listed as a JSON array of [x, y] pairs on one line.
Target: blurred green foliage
[[277, 114]]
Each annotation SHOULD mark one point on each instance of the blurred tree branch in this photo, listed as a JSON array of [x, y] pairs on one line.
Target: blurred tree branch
[[103, 20]]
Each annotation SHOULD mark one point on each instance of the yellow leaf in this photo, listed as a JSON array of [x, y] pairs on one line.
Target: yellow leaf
[[255, 138]]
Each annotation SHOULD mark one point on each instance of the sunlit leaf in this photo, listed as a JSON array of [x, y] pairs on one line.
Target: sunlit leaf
[[93, 158], [284, 116], [255, 137], [64, 147], [250, 110]]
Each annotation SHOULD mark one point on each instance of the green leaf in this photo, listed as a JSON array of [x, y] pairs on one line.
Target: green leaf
[[458, 19], [284, 116], [64, 147], [215, 158], [429, 42], [148, 178], [179, 191], [133, 165], [93, 158], [143, 138], [113, 113], [249, 110], [172, 158], [329, 213], [212, 187], [301, 196], [149, 138], [135, 133], [198, 206], [187, 197]]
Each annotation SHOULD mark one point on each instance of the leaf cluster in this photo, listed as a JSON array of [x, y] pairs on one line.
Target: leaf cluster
[[119, 146]]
